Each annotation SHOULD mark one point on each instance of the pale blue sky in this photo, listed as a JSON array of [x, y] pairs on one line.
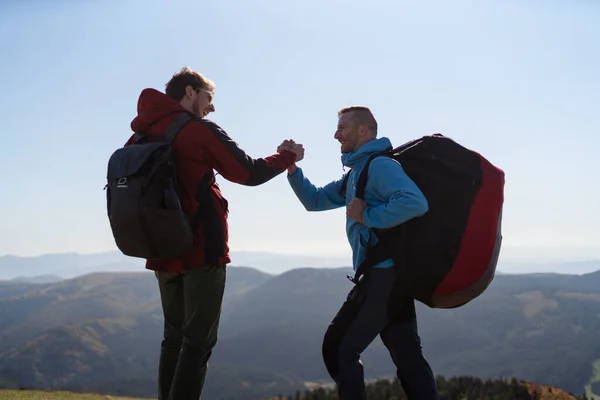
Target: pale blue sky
[[515, 80]]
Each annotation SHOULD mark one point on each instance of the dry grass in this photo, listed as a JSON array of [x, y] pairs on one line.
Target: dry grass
[[580, 296], [549, 392], [51, 395], [535, 302]]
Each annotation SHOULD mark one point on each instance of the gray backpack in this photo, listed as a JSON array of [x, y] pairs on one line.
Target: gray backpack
[[143, 203]]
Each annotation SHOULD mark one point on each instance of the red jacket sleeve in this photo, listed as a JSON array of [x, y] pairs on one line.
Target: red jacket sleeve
[[234, 164]]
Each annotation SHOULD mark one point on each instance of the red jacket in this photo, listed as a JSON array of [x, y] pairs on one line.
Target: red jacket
[[201, 147]]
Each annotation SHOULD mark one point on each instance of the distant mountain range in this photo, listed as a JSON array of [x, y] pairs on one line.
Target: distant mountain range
[[37, 279], [70, 265], [101, 333]]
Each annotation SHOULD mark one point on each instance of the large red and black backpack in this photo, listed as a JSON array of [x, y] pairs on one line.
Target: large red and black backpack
[[448, 256]]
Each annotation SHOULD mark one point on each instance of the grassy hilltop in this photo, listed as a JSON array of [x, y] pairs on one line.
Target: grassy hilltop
[[458, 388], [49, 395]]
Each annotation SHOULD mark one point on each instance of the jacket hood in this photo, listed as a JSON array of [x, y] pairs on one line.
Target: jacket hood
[[360, 156], [153, 106]]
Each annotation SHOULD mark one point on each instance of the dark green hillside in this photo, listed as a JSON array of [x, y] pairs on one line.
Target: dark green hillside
[[12, 289], [240, 280], [300, 296], [519, 327], [95, 296], [119, 356], [101, 333]]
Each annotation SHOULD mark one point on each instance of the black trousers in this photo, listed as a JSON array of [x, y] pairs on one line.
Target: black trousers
[[191, 303], [367, 313]]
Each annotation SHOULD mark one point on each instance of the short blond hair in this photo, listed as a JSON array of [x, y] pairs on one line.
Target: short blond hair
[[175, 88], [361, 115]]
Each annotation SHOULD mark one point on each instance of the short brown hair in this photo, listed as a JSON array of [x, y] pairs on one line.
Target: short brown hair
[[175, 88], [362, 115]]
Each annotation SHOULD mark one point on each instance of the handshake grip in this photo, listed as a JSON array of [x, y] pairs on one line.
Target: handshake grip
[[297, 148]]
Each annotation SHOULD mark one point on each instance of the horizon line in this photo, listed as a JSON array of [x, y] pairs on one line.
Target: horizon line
[[316, 254]]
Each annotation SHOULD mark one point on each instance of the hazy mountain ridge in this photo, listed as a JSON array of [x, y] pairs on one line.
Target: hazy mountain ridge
[[69, 265], [108, 325], [37, 279]]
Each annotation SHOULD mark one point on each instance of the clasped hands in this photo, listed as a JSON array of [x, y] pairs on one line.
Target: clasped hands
[[297, 148], [355, 209]]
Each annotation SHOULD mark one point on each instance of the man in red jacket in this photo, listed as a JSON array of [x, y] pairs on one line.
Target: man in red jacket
[[192, 288]]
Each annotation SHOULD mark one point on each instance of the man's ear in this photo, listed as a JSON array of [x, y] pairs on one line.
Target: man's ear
[[189, 91], [363, 130]]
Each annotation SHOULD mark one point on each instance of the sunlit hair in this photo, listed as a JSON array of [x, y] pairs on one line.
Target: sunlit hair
[[361, 115], [175, 88]]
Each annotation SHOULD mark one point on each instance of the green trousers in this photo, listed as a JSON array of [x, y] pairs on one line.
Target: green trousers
[[191, 303]]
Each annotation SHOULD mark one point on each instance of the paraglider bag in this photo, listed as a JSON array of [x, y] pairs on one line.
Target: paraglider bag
[[448, 256]]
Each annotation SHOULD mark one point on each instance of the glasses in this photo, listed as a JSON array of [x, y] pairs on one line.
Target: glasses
[[210, 94]]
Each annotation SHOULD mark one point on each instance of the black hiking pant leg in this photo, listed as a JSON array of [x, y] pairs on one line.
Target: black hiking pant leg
[[360, 320], [401, 338], [171, 295], [182, 377]]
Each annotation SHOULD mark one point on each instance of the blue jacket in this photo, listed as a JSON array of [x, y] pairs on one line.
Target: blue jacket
[[391, 196]]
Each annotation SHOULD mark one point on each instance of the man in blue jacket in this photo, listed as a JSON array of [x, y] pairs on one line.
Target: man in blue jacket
[[391, 198]]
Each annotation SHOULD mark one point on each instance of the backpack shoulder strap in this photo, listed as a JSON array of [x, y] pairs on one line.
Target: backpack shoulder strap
[[383, 249], [172, 131], [176, 126], [362, 179], [344, 183]]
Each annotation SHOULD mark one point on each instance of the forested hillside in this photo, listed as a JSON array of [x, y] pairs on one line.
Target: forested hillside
[[457, 388]]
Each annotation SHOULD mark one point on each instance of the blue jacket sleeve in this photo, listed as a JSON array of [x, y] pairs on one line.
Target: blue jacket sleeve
[[402, 198], [315, 198]]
